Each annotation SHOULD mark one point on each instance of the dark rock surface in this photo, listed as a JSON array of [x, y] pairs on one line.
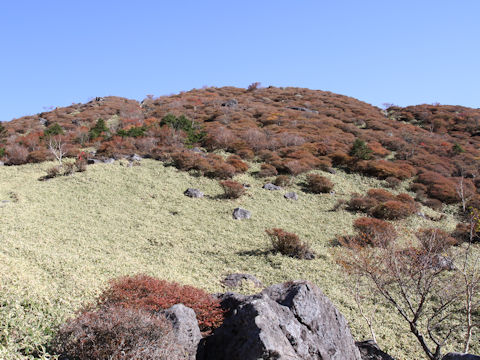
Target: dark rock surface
[[369, 350], [294, 320], [460, 356], [235, 280]]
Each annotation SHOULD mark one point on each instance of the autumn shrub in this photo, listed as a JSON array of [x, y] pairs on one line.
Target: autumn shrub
[[434, 204], [68, 168], [361, 203], [54, 171], [218, 169], [289, 244], [232, 189], [340, 158], [16, 154], [296, 167], [146, 292], [246, 154], [393, 210], [380, 195], [117, 333], [393, 182], [185, 160], [374, 232], [465, 232], [435, 240], [239, 165], [318, 184], [267, 170], [283, 180], [40, 155], [81, 163]]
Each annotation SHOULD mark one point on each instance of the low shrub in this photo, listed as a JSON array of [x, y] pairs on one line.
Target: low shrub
[[374, 232], [434, 204], [232, 189], [360, 150], [283, 180], [393, 182], [267, 170], [393, 210], [117, 333], [318, 184], [54, 171], [239, 165], [435, 240], [361, 203], [146, 292], [81, 164], [380, 195], [464, 233], [68, 168], [289, 244]]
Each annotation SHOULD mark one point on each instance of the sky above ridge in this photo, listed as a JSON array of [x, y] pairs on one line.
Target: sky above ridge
[[55, 53]]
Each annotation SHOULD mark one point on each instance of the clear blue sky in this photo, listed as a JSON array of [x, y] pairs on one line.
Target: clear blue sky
[[55, 52]]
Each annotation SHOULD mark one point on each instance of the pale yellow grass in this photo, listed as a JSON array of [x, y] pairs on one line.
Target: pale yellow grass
[[62, 240]]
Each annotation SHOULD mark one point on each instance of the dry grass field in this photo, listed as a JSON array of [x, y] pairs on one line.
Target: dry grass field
[[61, 240]]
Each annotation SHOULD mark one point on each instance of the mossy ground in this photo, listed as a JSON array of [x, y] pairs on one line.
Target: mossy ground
[[61, 240]]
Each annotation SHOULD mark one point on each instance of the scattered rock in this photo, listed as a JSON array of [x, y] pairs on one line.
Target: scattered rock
[[331, 170], [460, 356], [239, 214], [135, 157], [247, 186], [298, 108], [185, 327], [294, 320], [93, 161], [235, 280], [43, 122], [193, 193], [291, 196], [109, 161], [198, 150], [230, 103], [369, 350], [270, 186]]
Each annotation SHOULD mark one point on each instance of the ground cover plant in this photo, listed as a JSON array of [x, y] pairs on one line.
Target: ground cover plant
[[114, 220]]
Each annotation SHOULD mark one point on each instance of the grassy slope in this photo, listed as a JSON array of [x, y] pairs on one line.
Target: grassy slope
[[61, 240]]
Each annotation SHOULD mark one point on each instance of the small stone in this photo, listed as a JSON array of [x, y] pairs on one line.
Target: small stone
[[193, 193], [270, 186], [239, 214], [235, 280], [109, 161], [291, 196]]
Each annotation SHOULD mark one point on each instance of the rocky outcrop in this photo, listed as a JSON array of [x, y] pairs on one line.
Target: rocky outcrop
[[294, 320], [270, 186], [291, 196]]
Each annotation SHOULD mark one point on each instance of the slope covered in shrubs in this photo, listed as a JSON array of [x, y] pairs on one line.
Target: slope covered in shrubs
[[293, 130]]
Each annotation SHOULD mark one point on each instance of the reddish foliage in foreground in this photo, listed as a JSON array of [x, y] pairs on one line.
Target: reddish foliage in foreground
[[146, 292], [318, 184], [374, 232], [117, 333]]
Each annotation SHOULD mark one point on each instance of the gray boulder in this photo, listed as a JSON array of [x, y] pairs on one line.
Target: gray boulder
[[291, 196], [2, 163], [369, 350], [135, 157], [185, 327], [239, 214], [109, 161], [230, 103], [294, 320], [270, 186], [193, 193], [235, 280], [460, 356]]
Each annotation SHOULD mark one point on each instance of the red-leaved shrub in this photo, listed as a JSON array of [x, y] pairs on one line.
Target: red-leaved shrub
[[393, 210], [267, 170], [374, 232], [318, 184], [435, 240], [146, 292], [289, 244], [232, 189]]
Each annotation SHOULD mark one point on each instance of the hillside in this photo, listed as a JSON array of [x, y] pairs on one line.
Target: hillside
[[64, 238]]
